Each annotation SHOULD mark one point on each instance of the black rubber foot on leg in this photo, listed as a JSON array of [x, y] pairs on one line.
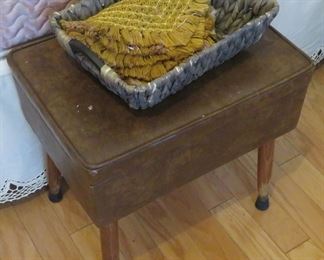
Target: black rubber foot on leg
[[262, 203], [55, 198]]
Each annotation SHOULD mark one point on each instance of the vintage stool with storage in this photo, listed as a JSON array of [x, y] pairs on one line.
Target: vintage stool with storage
[[116, 159]]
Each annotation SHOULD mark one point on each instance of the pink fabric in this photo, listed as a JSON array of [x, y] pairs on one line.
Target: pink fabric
[[23, 20]]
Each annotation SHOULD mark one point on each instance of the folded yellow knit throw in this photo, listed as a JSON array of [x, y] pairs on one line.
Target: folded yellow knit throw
[[144, 39]]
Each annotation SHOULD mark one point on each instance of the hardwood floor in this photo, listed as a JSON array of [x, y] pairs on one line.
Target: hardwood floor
[[211, 218]]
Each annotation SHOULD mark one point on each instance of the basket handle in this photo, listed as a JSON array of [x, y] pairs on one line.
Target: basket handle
[[78, 47]]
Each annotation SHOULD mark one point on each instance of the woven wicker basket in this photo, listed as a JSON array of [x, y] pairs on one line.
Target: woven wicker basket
[[241, 23]]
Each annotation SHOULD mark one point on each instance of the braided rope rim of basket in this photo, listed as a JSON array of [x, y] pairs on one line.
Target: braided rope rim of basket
[[226, 12]]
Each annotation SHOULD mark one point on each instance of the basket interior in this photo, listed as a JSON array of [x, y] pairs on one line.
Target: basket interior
[[234, 14], [230, 14]]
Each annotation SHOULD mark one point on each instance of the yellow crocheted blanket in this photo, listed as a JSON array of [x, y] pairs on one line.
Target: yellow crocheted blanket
[[144, 39]]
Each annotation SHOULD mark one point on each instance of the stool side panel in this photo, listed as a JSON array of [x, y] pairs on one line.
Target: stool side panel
[[133, 182], [78, 178]]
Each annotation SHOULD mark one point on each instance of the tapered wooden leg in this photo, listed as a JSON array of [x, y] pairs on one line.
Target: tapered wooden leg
[[54, 182], [110, 242], [265, 162]]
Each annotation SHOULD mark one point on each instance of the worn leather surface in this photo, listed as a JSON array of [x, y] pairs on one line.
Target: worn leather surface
[[23, 20], [117, 159]]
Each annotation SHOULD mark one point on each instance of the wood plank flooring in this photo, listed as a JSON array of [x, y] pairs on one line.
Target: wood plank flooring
[[211, 218]]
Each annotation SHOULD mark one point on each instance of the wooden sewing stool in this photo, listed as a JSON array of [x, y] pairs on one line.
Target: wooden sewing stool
[[116, 159]]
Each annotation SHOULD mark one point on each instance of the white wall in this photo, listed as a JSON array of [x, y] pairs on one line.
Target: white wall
[[302, 21]]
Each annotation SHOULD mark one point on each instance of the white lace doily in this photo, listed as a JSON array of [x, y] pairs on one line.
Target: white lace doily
[[22, 160], [318, 56], [14, 190]]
